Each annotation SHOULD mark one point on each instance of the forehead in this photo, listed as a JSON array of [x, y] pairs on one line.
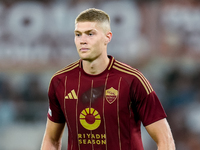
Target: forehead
[[84, 26]]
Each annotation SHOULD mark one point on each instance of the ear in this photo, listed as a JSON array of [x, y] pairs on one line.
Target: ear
[[108, 37]]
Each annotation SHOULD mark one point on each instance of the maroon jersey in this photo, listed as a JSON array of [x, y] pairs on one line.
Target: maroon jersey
[[105, 111]]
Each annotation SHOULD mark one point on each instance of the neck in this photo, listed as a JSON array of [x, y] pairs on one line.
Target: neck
[[95, 67]]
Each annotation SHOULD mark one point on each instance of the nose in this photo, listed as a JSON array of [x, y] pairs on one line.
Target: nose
[[83, 39]]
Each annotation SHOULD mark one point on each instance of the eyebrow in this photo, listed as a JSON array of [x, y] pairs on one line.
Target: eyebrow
[[87, 31]]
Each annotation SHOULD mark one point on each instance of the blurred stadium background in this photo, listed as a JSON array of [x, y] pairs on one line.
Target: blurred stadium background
[[159, 37]]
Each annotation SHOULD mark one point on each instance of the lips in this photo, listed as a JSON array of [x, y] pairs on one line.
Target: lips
[[84, 49]]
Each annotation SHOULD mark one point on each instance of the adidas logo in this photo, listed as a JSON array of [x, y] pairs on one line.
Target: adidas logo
[[71, 95]]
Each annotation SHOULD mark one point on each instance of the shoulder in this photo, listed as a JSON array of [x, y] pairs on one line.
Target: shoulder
[[66, 70], [133, 75], [125, 69]]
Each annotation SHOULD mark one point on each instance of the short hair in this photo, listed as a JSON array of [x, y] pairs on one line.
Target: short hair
[[93, 15]]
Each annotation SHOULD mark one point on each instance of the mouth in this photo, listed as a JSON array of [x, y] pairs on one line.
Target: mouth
[[84, 49]]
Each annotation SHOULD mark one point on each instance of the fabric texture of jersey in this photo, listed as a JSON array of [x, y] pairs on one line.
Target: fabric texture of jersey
[[105, 111]]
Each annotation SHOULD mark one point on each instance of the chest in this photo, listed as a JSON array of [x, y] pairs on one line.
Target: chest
[[106, 95]]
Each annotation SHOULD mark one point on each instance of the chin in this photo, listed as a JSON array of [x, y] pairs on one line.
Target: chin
[[84, 57], [89, 59]]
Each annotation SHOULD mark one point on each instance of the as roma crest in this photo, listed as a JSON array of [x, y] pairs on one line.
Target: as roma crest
[[111, 95]]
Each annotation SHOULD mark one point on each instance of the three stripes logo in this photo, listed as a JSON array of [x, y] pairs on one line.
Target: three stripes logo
[[71, 95]]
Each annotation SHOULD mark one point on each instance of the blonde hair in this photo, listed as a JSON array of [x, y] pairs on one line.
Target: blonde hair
[[94, 15]]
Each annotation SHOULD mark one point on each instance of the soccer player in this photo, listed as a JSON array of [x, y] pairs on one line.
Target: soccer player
[[101, 100]]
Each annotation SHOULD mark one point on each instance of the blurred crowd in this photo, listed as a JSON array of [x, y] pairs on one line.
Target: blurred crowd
[[21, 100], [161, 38]]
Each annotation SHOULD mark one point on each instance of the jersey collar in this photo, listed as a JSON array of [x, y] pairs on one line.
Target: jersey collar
[[112, 60]]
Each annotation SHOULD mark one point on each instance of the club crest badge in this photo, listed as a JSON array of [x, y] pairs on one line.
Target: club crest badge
[[111, 95]]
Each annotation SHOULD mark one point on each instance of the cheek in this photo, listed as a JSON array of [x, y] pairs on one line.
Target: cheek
[[99, 42], [97, 45]]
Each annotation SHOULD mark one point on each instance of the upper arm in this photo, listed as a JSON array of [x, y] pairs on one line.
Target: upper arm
[[53, 135], [161, 134], [54, 130]]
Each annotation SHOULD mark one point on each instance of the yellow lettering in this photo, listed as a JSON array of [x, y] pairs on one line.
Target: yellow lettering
[[93, 141], [84, 141], [98, 136], [89, 142], [80, 141], [99, 139], [88, 135], [98, 142], [103, 136], [103, 142], [93, 137], [79, 136]]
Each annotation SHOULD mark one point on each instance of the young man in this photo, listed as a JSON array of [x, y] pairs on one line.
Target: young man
[[102, 101]]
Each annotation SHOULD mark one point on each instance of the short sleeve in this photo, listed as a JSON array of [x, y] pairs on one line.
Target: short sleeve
[[147, 106], [55, 112], [150, 109]]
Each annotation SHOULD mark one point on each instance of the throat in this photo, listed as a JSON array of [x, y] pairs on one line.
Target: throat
[[95, 67], [91, 69]]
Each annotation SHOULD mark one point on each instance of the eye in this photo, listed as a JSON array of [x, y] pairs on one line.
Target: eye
[[90, 34], [77, 34]]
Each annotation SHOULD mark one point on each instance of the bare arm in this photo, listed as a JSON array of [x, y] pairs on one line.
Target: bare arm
[[161, 134], [53, 136]]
